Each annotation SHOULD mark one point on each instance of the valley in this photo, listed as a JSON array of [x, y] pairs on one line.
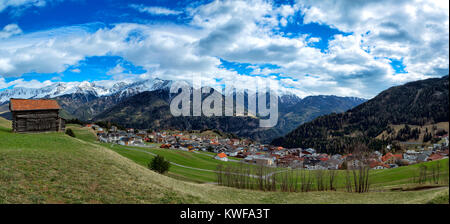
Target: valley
[[394, 141], [71, 170]]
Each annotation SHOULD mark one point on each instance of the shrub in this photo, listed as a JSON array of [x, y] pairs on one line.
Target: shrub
[[69, 132], [159, 164]]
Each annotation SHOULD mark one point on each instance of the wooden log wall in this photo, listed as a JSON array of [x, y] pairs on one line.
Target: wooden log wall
[[37, 121]]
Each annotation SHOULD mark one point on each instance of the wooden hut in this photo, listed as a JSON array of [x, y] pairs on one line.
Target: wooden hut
[[40, 115]]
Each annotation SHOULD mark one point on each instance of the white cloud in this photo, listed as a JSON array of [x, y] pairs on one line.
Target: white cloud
[[76, 70], [116, 70], [155, 10], [242, 31], [415, 31], [22, 83], [357, 64], [15, 3], [10, 30], [43, 53], [56, 78], [33, 84], [313, 39], [3, 83]]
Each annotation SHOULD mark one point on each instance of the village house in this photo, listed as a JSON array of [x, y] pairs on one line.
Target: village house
[[113, 129], [102, 137], [310, 150], [221, 156], [40, 115], [422, 157], [410, 155], [265, 161], [311, 163], [434, 157], [249, 157], [354, 163], [270, 155], [332, 164], [142, 134], [376, 165], [233, 152], [390, 158]]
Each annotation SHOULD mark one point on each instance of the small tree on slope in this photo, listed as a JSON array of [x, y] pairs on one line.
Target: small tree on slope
[[159, 164]]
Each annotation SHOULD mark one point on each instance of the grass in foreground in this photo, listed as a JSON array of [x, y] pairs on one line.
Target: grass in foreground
[[199, 160]]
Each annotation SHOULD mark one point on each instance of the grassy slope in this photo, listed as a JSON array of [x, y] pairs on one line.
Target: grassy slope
[[197, 160], [177, 172], [4, 108], [5, 123], [85, 134], [54, 168], [379, 178]]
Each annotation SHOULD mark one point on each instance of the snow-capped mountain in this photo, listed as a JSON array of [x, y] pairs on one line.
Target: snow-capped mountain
[[89, 88], [106, 100]]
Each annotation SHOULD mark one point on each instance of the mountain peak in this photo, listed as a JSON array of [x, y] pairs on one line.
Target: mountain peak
[[85, 87]]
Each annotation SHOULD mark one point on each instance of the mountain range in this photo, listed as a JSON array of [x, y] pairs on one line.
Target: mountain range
[[120, 89], [145, 104], [151, 109]]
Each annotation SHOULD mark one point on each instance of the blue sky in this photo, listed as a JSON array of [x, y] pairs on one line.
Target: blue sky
[[304, 47]]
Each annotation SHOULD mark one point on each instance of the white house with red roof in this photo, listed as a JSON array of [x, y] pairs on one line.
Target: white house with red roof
[[222, 156]]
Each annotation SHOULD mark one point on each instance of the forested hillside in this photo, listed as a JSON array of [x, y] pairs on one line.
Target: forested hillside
[[415, 103]]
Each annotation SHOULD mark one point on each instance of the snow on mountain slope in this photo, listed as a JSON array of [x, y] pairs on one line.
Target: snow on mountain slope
[[120, 88], [91, 88]]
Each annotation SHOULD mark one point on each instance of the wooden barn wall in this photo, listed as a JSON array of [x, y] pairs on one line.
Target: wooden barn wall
[[37, 121]]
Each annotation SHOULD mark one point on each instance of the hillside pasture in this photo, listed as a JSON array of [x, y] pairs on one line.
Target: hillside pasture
[[379, 179], [56, 168]]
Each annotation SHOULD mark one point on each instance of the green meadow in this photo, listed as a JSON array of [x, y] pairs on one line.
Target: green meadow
[[55, 168], [379, 179]]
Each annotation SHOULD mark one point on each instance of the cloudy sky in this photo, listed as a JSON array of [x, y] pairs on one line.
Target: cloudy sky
[[346, 47]]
